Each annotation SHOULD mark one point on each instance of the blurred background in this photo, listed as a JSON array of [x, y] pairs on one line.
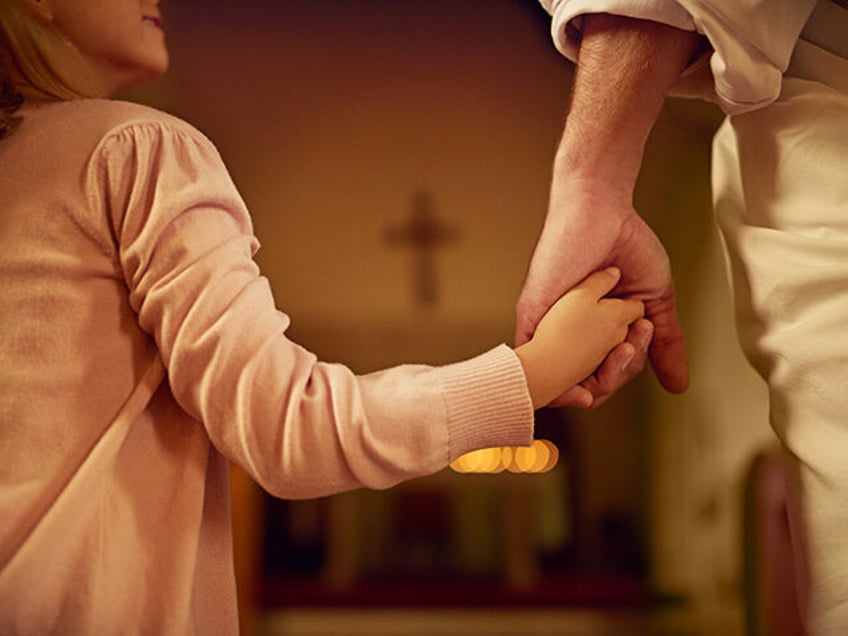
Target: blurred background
[[395, 157]]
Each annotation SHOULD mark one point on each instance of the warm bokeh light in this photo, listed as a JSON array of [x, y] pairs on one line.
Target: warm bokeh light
[[540, 457]]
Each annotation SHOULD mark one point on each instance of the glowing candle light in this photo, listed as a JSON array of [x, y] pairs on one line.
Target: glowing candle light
[[540, 457]]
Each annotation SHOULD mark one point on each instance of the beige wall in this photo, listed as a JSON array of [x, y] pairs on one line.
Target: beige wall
[[331, 118]]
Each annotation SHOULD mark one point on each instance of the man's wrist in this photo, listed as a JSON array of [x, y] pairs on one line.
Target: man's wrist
[[625, 69], [594, 169], [580, 179]]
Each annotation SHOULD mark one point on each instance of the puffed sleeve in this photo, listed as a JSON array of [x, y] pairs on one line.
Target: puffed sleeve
[[751, 40], [300, 427]]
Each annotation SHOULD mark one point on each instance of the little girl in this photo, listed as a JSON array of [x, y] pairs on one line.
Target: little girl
[[141, 350]]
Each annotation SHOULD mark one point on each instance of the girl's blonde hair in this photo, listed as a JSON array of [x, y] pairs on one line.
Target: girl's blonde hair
[[43, 58]]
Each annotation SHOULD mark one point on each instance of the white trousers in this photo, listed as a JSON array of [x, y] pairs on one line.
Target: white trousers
[[781, 197]]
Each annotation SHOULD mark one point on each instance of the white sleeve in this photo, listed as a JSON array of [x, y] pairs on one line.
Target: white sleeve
[[752, 41], [567, 22]]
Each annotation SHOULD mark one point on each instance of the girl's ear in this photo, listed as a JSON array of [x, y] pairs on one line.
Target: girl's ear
[[40, 9]]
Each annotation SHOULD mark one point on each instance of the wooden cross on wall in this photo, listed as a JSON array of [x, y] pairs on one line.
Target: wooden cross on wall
[[423, 232]]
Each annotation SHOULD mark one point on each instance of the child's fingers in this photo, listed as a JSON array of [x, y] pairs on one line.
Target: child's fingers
[[632, 310], [622, 312], [600, 283]]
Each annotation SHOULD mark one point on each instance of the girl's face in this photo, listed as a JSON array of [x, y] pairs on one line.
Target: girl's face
[[123, 40]]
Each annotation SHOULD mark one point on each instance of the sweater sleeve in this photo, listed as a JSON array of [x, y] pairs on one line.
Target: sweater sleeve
[[300, 427], [751, 40]]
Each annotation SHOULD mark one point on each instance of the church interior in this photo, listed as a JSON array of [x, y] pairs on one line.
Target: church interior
[[395, 157]]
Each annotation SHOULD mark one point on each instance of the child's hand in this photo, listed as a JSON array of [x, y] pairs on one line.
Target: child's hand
[[576, 334]]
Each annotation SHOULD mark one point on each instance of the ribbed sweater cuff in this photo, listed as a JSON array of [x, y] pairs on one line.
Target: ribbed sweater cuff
[[488, 403]]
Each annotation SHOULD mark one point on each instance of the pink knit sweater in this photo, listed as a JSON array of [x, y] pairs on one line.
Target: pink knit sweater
[[141, 350]]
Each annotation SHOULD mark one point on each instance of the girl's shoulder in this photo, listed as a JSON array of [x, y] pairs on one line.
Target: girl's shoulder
[[89, 122], [113, 116]]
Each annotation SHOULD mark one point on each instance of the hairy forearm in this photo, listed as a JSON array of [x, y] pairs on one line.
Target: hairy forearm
[[624, 71]]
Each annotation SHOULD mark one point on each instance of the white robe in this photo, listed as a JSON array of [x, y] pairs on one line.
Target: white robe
[[780, 187], [778, 68]]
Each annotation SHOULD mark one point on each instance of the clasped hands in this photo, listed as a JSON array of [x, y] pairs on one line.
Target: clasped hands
[[597, 243]]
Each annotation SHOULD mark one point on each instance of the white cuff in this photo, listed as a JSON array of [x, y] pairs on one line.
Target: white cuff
[[567, 19]]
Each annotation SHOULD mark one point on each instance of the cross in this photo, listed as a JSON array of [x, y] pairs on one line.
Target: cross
[[423, 233]]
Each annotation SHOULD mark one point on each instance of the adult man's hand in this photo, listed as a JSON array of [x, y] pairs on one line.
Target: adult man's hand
[[590, 227], [625, 69]]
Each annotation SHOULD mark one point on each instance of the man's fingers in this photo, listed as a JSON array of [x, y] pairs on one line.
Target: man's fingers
[[640, 334], [623, 363], [671, 363], [577, 396], [669, 357]]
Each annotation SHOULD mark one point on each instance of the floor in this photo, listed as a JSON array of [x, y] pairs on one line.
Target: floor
[[726, 621]]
